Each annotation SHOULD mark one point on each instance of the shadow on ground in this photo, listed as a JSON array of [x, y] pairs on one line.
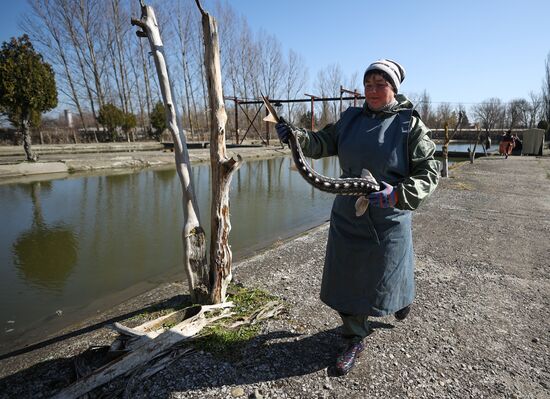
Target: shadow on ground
[[268, 357], [177, 301]]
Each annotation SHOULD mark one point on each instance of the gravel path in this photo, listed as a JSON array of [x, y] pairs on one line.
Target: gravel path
[[479, 327]]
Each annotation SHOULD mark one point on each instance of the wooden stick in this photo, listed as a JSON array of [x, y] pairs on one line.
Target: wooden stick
[[122, 329]]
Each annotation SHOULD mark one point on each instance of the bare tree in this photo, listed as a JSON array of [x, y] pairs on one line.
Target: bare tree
[[476, 141], [242, 62], [465, 123], [146, 80], [272, 67], [546, 90], [425, 107], [197, 48], [138, 79], [45, 28], [448, 138], [489, 113], [328, 84], [444, 115], [183, 32], [87, 43], [517, 110], [67, 11], [90, 31], [295, 81], [118, 31], [535, 108], [230, 48]]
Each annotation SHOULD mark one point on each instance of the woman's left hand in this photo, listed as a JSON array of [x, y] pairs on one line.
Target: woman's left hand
[[387, 198]]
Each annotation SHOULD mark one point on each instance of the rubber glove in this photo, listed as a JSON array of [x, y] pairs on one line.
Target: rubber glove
[[283, 130], [387, 198]]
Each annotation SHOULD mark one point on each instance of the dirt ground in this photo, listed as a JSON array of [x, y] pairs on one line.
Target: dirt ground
[[479, 327]]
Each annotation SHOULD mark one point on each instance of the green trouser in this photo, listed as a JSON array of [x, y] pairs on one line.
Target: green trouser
[[354, 326]]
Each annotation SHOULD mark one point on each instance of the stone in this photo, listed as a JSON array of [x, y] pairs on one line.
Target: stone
[[237, 392]]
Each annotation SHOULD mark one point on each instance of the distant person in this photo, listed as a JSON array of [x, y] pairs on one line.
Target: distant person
[[369, 261], [487, 142], [518, 145], [506, 144]]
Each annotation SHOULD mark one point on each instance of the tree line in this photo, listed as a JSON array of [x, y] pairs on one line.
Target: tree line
[[490, 114], [106, 76]]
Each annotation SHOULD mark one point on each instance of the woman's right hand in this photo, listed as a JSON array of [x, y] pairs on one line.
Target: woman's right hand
[[283, 131]]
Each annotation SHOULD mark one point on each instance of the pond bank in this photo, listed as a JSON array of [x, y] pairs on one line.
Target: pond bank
[[57, 162], [479, 326]]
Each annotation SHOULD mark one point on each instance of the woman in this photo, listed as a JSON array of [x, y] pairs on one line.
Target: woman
[[369, 263]]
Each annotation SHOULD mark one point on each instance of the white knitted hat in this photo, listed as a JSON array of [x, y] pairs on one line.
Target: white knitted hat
[[395, 71]]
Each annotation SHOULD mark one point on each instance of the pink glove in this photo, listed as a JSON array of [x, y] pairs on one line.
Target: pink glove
[[387, 198]]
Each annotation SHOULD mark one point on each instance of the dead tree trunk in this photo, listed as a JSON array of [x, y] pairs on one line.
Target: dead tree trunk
[[472, 154], [445, 148], [222, 167], [194, 242]]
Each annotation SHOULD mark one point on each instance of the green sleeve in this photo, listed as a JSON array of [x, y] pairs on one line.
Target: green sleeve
[[319, 144], [424, 169]]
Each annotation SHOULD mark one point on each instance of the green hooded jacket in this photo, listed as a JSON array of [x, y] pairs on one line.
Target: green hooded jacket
[[423, 167]]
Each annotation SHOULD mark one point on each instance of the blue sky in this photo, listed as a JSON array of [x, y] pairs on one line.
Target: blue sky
[[459, 51]]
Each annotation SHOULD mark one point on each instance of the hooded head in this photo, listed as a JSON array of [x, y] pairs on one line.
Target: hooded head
[[392, 72]]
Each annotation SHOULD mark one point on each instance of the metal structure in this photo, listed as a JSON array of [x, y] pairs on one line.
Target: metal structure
[[265, 136]]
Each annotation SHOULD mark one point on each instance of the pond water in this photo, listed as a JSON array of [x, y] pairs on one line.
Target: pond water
[[72, 247], [463, 148]]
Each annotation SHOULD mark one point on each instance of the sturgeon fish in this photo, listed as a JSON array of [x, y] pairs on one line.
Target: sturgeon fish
[[358, 186]]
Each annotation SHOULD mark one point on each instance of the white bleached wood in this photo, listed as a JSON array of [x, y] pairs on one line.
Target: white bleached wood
[[150, 349], [193, 235], [222, 167]]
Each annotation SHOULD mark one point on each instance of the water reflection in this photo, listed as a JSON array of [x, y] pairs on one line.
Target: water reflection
[[45, 254]]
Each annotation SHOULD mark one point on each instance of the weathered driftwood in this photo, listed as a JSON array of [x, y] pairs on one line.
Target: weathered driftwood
[[126, 330], [149, 349], [151, 369], [194, 241], [132, 338], [269, 310], [222, 167]]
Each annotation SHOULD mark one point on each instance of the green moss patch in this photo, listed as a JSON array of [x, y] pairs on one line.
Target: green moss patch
[[226, 342]]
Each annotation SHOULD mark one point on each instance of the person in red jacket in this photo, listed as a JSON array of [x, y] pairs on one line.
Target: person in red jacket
[[506, 144]]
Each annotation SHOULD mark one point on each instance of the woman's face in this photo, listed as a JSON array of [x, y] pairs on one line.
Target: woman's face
[[378, 92]]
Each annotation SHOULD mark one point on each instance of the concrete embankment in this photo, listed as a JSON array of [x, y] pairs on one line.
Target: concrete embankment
[[58, 160]]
